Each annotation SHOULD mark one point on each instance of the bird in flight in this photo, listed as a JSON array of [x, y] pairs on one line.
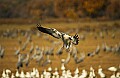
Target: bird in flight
[[67, 39]]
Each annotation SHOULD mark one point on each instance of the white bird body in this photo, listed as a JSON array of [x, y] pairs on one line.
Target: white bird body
[[17, 51], [22, 75], [100, 72], [7, 73], [113, 76], [84, 74], [3, 74], [102, 75], [12, 76], [37, 75], [42, 76], [76, 71], [92, 73], [62, 67], [49, 69], [17, 74], [28, 75], [56, 72], [33, 73], [112, 69], [118, 75]]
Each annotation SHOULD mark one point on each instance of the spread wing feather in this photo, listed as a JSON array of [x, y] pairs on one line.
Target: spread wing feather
[[50, 31], [75, 39]]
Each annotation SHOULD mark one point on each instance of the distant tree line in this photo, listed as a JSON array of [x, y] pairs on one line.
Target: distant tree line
[[42, 9]]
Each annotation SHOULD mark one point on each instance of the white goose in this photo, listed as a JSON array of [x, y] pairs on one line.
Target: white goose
[[12, 76], [84, 74], [7, 73], [22, 75], [37, 73], [76, 71], [67, 39], [17, 73], [62, 67], [92, 73], [3, 74], [56, 72], [49, 69], [28, 75], [100, 72]]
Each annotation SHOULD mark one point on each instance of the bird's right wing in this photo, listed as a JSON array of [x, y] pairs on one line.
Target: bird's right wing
[[75, 39], [51, 31]]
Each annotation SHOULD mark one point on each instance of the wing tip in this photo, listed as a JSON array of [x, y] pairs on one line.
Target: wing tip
[[38, 25]]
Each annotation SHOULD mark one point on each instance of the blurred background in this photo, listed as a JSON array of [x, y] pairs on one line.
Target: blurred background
[[97, 22], [29, 11]]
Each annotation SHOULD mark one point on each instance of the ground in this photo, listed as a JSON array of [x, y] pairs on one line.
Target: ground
[[88, 29]]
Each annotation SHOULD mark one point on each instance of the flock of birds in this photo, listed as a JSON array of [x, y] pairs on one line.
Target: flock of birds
[[42, 54], [65, 73]]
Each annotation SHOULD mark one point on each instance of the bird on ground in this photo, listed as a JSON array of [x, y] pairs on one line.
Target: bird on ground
[[56, 72], [22, 58], [67, 60], [2, 53], [28, 75], [60, 51], [62, 66], [100, 72], [17, 73], [17, 52], [49, 69], [113, 69], [31, 48], [47, 61], [26, 60], [91, 54], [92, 73], [76, 71], [79, 59], [7, 73], [22, 75], [12, 76], [74, 51], [67, 39], [97, 49], [3, 74], [118, 74], [19, 41]]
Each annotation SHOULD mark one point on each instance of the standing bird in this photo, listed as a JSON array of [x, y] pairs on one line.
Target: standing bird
[[60, 51], [67, 60], [2, 53], [67, 39], [47, 61]]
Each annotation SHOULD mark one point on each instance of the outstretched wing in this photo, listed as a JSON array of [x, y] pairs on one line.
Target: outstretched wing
[[75, 39], [51, 31]]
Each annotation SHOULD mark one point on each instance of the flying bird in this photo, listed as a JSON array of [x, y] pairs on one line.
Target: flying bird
[[67, 39]]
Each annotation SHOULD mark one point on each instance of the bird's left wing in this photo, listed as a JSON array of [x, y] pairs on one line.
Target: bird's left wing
[[51, 31]]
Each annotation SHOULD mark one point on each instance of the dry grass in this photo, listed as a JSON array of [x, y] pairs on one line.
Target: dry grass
[[89, 44]]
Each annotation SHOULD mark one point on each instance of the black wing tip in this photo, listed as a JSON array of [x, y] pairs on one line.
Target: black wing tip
[[38, 25], [77, 38]]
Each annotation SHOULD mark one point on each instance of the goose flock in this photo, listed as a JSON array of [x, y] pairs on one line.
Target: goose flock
[[27, 50], [65, 73]]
